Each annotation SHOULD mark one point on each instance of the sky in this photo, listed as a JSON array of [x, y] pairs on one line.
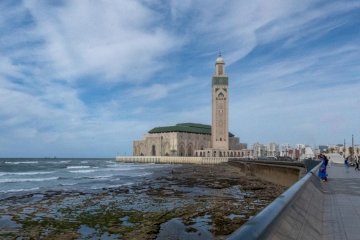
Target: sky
[[86, 78]]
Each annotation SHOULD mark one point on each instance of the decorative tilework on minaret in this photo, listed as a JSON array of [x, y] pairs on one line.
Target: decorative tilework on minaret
[[220, 107]]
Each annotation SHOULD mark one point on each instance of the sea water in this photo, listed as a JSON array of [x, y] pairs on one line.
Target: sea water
[[18, 176]]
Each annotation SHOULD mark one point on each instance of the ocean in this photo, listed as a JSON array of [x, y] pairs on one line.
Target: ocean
[[19, 176]]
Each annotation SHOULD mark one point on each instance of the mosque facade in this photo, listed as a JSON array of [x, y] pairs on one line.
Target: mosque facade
[[194, 139]]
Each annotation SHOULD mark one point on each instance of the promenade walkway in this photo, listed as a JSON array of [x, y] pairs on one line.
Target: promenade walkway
[[341, 219]]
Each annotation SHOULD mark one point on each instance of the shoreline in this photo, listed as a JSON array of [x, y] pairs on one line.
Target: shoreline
[[196, 201]]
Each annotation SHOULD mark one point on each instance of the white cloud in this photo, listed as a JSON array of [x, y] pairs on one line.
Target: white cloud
[[312, 116], [8, 69], [319, 66], [238, 27], [56, 123], [154, 92], [49, 52], [233, 26], [160, 91], [118, 40], [180, 9]]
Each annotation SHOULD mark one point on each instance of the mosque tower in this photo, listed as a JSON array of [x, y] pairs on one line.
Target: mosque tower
[[220, 107]]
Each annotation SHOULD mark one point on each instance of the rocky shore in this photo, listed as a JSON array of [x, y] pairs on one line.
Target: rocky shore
[[182, 202]]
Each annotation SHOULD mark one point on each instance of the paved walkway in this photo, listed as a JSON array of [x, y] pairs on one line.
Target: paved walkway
[[342, 203]]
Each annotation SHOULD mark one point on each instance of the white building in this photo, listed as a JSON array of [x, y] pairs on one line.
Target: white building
[[258, 150], [285, 148], [272, 150], [307, 153]]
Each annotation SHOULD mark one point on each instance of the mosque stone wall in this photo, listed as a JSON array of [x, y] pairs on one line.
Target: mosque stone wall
[[171, 144]]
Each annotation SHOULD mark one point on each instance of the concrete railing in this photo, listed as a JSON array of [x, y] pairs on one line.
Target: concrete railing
[[295, 214], [171, 159]]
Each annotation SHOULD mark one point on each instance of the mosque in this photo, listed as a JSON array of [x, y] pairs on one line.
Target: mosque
[[194, 139]]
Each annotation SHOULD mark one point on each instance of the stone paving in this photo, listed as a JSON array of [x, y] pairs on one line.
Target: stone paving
[[341, 216]]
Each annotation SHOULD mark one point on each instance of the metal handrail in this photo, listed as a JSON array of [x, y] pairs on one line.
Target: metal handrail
[[258, 226]]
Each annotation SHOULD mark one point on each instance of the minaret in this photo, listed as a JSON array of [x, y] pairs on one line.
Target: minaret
[[220, 106]]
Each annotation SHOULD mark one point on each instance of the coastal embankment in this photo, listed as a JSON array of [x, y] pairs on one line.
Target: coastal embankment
[[171, 159], [282, 173]]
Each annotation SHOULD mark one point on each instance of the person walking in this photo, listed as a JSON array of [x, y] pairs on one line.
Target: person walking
[[357, 163], [322, 170], [346, 163]]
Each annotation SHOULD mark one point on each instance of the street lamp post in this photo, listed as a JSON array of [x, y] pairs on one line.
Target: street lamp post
[[352, 147]]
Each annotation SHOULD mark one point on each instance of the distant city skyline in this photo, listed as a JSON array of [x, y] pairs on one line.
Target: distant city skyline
[[86, 78]]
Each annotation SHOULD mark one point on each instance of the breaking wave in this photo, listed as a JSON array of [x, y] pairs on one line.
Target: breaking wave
[[82, 171], [10, 180], [23, 173], [20, 190], [77, 167], [27, 162]]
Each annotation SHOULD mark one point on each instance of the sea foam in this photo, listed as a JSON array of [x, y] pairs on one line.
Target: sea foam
[[27, 162], [75, 167], [20, 190], [23, 173], [9, 180], [82, 171]]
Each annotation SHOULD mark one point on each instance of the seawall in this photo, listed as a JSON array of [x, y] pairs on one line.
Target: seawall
[[295, 214], [282, 173], [171, 159]]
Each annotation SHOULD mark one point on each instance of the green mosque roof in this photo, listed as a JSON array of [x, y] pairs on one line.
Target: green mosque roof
[[187, 128]]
